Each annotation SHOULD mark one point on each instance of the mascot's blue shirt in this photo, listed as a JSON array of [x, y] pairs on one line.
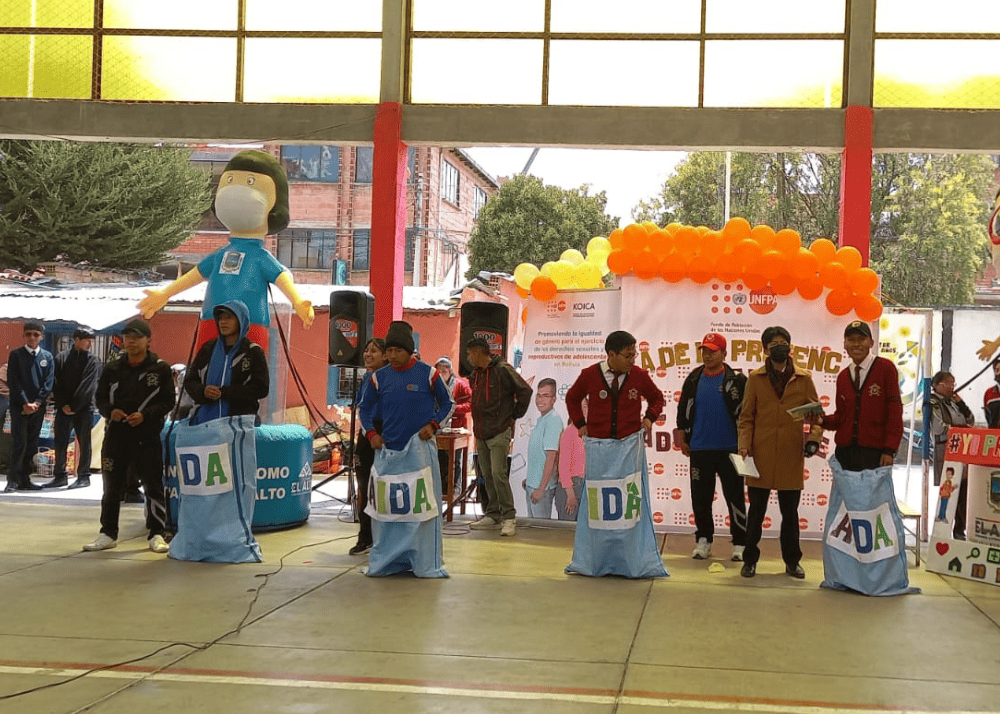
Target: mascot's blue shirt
[[240, 271]]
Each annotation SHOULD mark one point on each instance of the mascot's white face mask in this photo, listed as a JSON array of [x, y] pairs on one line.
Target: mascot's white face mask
[[243, 201]]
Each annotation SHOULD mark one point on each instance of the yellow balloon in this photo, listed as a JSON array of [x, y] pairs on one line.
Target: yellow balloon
[[546, 269], [562, 273], [524, 274], [598, 244], [572, 255], [587, 275]]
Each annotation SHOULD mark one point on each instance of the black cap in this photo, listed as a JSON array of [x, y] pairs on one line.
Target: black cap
[[400, 334], [83, 333], [139, 327], [32, 326], [858, 328]]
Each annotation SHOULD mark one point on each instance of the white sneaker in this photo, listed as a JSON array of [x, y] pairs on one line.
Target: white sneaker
[[738, 553], [486, 523], [702, 550], [158, 545], [102, 542], [508, 527]]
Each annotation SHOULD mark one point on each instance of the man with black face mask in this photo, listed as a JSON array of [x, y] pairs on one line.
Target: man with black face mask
[[769, 434], [991, 400]]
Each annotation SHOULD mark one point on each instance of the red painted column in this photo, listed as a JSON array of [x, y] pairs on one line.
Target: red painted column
[[388, 216], [856, 179]]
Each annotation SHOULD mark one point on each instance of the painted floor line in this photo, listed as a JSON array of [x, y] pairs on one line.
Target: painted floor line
[[364, 684]]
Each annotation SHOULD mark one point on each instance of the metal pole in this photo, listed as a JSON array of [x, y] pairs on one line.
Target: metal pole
[[729, 171]]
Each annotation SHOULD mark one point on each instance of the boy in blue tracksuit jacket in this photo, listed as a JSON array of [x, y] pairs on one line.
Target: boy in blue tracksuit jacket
[[30, 373]]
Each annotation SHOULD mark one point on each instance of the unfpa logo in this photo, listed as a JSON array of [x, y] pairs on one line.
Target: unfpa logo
[[763, 301]]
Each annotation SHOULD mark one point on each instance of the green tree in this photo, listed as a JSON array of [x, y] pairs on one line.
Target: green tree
[[529, 222], [113, 205], [929, 211]]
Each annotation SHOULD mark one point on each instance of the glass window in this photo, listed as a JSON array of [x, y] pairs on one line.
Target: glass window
[[45, 66], [937, 16], [311, 163], [363, 164], [449, 182], [47, 13], [774, 73], [442, 72], [269, 77], [456, 15], [173, 15], [776, 16], [180, 69], [478, 202], [307, 248], [361, 243], [911, 73], [325, 16], [411, 164], [635, 16], [604, 73], [410, 249]]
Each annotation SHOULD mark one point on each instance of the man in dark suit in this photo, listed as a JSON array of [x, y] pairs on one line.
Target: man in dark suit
[[29, 376]]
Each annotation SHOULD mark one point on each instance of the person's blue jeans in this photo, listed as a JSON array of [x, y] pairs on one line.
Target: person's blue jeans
[[542, 509], [82, 423]]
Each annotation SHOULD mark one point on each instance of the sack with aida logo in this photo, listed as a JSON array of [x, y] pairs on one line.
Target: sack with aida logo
[[217, 486], [614, 528], [404, 503], [863, 548]]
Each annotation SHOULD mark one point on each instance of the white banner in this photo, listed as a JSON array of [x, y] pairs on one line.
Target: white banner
[[204, 470], [866, 536], [403, 497], [614, 504]]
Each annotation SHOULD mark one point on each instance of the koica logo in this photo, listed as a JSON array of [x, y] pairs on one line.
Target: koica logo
[[584, 306], [763, 301]]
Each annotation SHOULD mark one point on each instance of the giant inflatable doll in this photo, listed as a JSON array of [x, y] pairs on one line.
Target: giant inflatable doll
[[990, 346], [252, 202]]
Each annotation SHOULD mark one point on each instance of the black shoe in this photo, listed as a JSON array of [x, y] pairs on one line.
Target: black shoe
[[748, 570], [360, 548], [56, 483], [29, 486], [133, 498], [11, 487], [795, 571], [80, 483]]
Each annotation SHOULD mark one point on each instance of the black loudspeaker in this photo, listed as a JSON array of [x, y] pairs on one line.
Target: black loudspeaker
[[487, 320], [352, 321]]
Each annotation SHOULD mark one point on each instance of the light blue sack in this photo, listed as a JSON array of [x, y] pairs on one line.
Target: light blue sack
[[614, 528], [217, 474], [405, 506], [863, 547]]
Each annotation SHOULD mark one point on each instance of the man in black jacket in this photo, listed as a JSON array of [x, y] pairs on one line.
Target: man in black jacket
[[76, 375], [135, 394], [29, 377], [706, 420]]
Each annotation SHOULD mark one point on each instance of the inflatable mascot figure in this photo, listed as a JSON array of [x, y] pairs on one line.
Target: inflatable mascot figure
[[990, 346], [252, 202]]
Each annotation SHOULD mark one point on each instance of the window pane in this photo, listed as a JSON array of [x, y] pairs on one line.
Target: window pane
[[443, 74], [363, 162], [774, 73], [325, 16], [61, 66], [937, 16], [911, 73], [511, 16], [269, 76], [173, 15], [361, 249], [604, 73], [47, 13], [775, 16], [329, 164], [636, 16], [185, 69], [309, 162]]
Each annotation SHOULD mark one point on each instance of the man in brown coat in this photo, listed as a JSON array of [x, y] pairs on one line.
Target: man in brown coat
[[769, 434]]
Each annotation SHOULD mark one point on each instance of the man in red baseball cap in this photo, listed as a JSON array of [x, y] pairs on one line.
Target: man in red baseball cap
[[706, 417]]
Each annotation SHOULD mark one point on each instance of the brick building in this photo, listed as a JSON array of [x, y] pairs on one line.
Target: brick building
[[330, 194]]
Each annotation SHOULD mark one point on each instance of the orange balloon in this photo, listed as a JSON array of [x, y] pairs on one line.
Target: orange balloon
[[824, 249], [754, 280], [646, 265], [833, 275], [773, 263], [850, 257], [868, 308], [673, 268], [787, 241], [619, 262], [748, 252], [783, 284], [810, 288], [649, 226], [543, 288], [701, 269], [522, 292], [804, 264], [617, 239], [702, 230], [635, 238], [738, 228], [763, 235], [728, 268], [660, 243], [671, 228], [712, 244], [863, 281], [686, 239], [840, 301]]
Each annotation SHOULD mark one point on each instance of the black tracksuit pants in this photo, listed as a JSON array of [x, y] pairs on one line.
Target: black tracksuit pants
[[705, 466], [788, 502], [121, 449]]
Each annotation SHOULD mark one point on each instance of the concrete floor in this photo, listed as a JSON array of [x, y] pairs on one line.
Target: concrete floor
[[508, 632]]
